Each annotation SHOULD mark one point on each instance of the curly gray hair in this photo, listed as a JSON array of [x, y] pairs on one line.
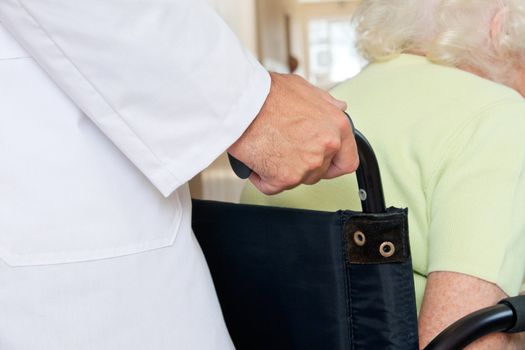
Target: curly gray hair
[[483, 36]]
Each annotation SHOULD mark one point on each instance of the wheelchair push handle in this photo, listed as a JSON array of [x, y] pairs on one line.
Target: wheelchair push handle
[[507, 316], [368, 174], [369, 177]]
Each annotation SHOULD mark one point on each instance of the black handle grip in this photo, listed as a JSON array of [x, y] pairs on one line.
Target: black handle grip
[[368, 174], [472, 327], [517, 304], [369, 177], [239, 168]]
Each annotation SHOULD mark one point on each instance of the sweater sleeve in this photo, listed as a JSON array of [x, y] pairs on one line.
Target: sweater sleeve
[[477, 204]]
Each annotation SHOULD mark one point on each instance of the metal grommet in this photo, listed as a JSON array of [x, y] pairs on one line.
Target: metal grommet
[[387, 249], [362, 195], [359, 238]]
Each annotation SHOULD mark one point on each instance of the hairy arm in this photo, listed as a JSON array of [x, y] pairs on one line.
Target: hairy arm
[[449, 296]]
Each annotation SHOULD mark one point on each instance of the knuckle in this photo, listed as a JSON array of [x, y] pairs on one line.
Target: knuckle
[[342, 122], [332, 144], [347, 165], [314, 163], [292, 180], [312, 181], [289, 178]]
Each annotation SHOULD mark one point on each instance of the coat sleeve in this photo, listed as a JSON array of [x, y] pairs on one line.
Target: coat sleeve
[[165, 80]]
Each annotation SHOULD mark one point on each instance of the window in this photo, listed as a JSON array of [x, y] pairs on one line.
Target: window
[[332, 53]]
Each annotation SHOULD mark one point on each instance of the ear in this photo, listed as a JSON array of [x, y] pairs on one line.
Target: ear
[[496, 25]]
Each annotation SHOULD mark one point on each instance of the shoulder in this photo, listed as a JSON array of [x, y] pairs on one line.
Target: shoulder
[[426, 77]]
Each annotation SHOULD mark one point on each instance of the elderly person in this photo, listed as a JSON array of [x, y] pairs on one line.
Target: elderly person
[[441, 102]]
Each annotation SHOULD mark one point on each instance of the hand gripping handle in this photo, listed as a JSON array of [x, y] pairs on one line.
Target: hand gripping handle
[[368, 174]]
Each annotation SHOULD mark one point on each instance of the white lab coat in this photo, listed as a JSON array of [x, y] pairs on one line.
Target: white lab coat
[[96, 248]]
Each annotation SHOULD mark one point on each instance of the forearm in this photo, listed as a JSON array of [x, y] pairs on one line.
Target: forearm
[[448, 297], [499, 341]]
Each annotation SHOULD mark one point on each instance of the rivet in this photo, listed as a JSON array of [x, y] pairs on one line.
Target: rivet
[[387, 249], [359, 238]]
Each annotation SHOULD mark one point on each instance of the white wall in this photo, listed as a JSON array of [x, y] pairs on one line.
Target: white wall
[[240, 16], [218, 181], [272, 34]]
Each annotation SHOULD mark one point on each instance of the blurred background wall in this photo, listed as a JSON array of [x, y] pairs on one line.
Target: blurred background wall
[[240, 15], [312, 38]]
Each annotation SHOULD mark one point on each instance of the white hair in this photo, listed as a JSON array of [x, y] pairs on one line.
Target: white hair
[[449, 32]]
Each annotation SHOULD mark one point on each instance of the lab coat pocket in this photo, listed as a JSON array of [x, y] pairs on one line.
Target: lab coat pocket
[[67, 233], [53, 228]]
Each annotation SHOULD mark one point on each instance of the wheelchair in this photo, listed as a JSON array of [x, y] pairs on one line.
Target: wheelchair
[[292, 279]]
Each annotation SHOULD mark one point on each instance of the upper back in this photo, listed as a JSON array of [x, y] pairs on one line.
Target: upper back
[[424, 121]]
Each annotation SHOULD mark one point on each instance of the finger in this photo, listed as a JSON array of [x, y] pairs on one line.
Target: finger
[[263, 186], [346, 159], [319, 174]]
